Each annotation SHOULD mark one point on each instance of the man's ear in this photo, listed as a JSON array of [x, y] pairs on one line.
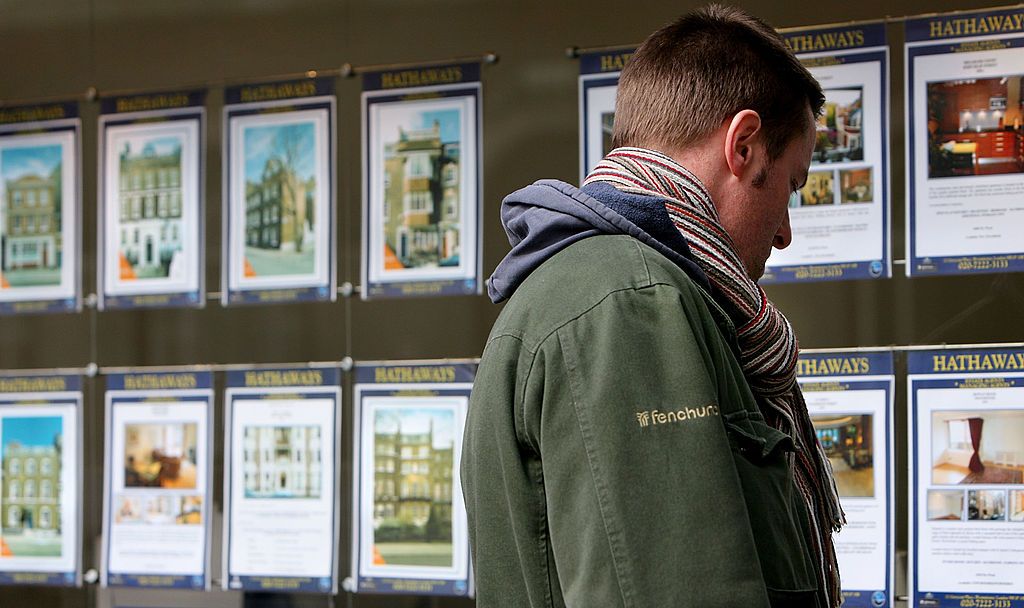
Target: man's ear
[[742, 132]]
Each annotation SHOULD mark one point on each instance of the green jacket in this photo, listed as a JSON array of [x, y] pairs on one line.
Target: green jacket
[[614, 454]]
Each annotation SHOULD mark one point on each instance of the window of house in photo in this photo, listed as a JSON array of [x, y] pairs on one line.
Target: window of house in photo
[[959, 435]]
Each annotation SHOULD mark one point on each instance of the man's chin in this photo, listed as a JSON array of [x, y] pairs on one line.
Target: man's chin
[[755, 272]]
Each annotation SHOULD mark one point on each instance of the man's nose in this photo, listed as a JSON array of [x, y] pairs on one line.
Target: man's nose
[[785, 234]]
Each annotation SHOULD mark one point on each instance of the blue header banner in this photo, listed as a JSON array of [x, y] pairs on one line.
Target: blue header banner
[[290, 377], [415, 373], [845, 364], [605, 62], [966, 361], [40, 383], [38, 112], [844, 38], [168, 100], [276, 91], [963, 25], [426, 76], [159, 381]]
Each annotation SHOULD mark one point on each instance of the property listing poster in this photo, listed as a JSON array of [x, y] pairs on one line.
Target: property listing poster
[[850, 399], [599, 79], [40, 479], [280, 491], [157, 480], [151, 201], [965, 143], [410, 533], [966, 424], [422, 176], [279, 193], [840, 217], [40, 193]]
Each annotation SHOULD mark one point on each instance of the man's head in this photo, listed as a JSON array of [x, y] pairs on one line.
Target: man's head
[[718, 90]]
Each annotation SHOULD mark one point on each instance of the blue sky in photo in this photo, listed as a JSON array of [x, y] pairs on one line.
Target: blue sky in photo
[[449, 120], [263, 143], [161, 146], [416, 421], [36, 160], [30, 431]]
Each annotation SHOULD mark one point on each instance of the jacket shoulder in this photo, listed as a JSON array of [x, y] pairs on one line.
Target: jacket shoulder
[[580, 277]]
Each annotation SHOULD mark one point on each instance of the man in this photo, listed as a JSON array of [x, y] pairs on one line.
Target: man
[[636, 436]]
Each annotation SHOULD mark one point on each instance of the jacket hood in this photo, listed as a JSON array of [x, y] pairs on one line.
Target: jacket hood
[[549, 215]]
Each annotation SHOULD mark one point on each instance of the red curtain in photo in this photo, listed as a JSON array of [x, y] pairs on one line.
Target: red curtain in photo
[[975, 426]]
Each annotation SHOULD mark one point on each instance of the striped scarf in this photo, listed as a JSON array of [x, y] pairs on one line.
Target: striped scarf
[[768, 345]]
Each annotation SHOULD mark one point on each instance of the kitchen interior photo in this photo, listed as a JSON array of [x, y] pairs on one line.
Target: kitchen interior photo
[[975, 127]]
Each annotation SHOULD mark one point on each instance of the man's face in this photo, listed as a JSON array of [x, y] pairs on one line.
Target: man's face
[[758, 219]]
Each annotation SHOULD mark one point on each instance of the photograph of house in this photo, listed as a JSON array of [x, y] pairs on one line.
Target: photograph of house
[[281, 461], [607, 128], [30, 216], [414, 471], [986, 505], [819, 190], [847, 440], [150, 208], [421, 184], [976, 126], [280, 199], [1016, 509], [160, 455], [855, 186], [977, 447], [945, 505], [839, 127], [30, 521]]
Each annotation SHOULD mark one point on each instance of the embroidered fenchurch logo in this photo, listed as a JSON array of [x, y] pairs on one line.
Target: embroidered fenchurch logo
[[656, 417]]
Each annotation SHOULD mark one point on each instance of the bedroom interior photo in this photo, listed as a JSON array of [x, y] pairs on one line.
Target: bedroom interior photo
[[977, 447]]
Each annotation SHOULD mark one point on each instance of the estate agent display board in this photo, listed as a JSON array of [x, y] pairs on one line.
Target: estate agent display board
[[157, 480], [422, 181], [410, 533], [965, 143], [599, 79], [966, 424], [840, 217], [281, 494], [279, 192], [40, 479], [40, 230], [151, 152], [850, 398]]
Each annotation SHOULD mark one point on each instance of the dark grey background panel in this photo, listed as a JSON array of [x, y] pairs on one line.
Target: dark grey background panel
[[60, 48]]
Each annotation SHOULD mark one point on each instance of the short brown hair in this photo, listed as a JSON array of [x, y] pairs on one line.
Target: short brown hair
[[695, 73]]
